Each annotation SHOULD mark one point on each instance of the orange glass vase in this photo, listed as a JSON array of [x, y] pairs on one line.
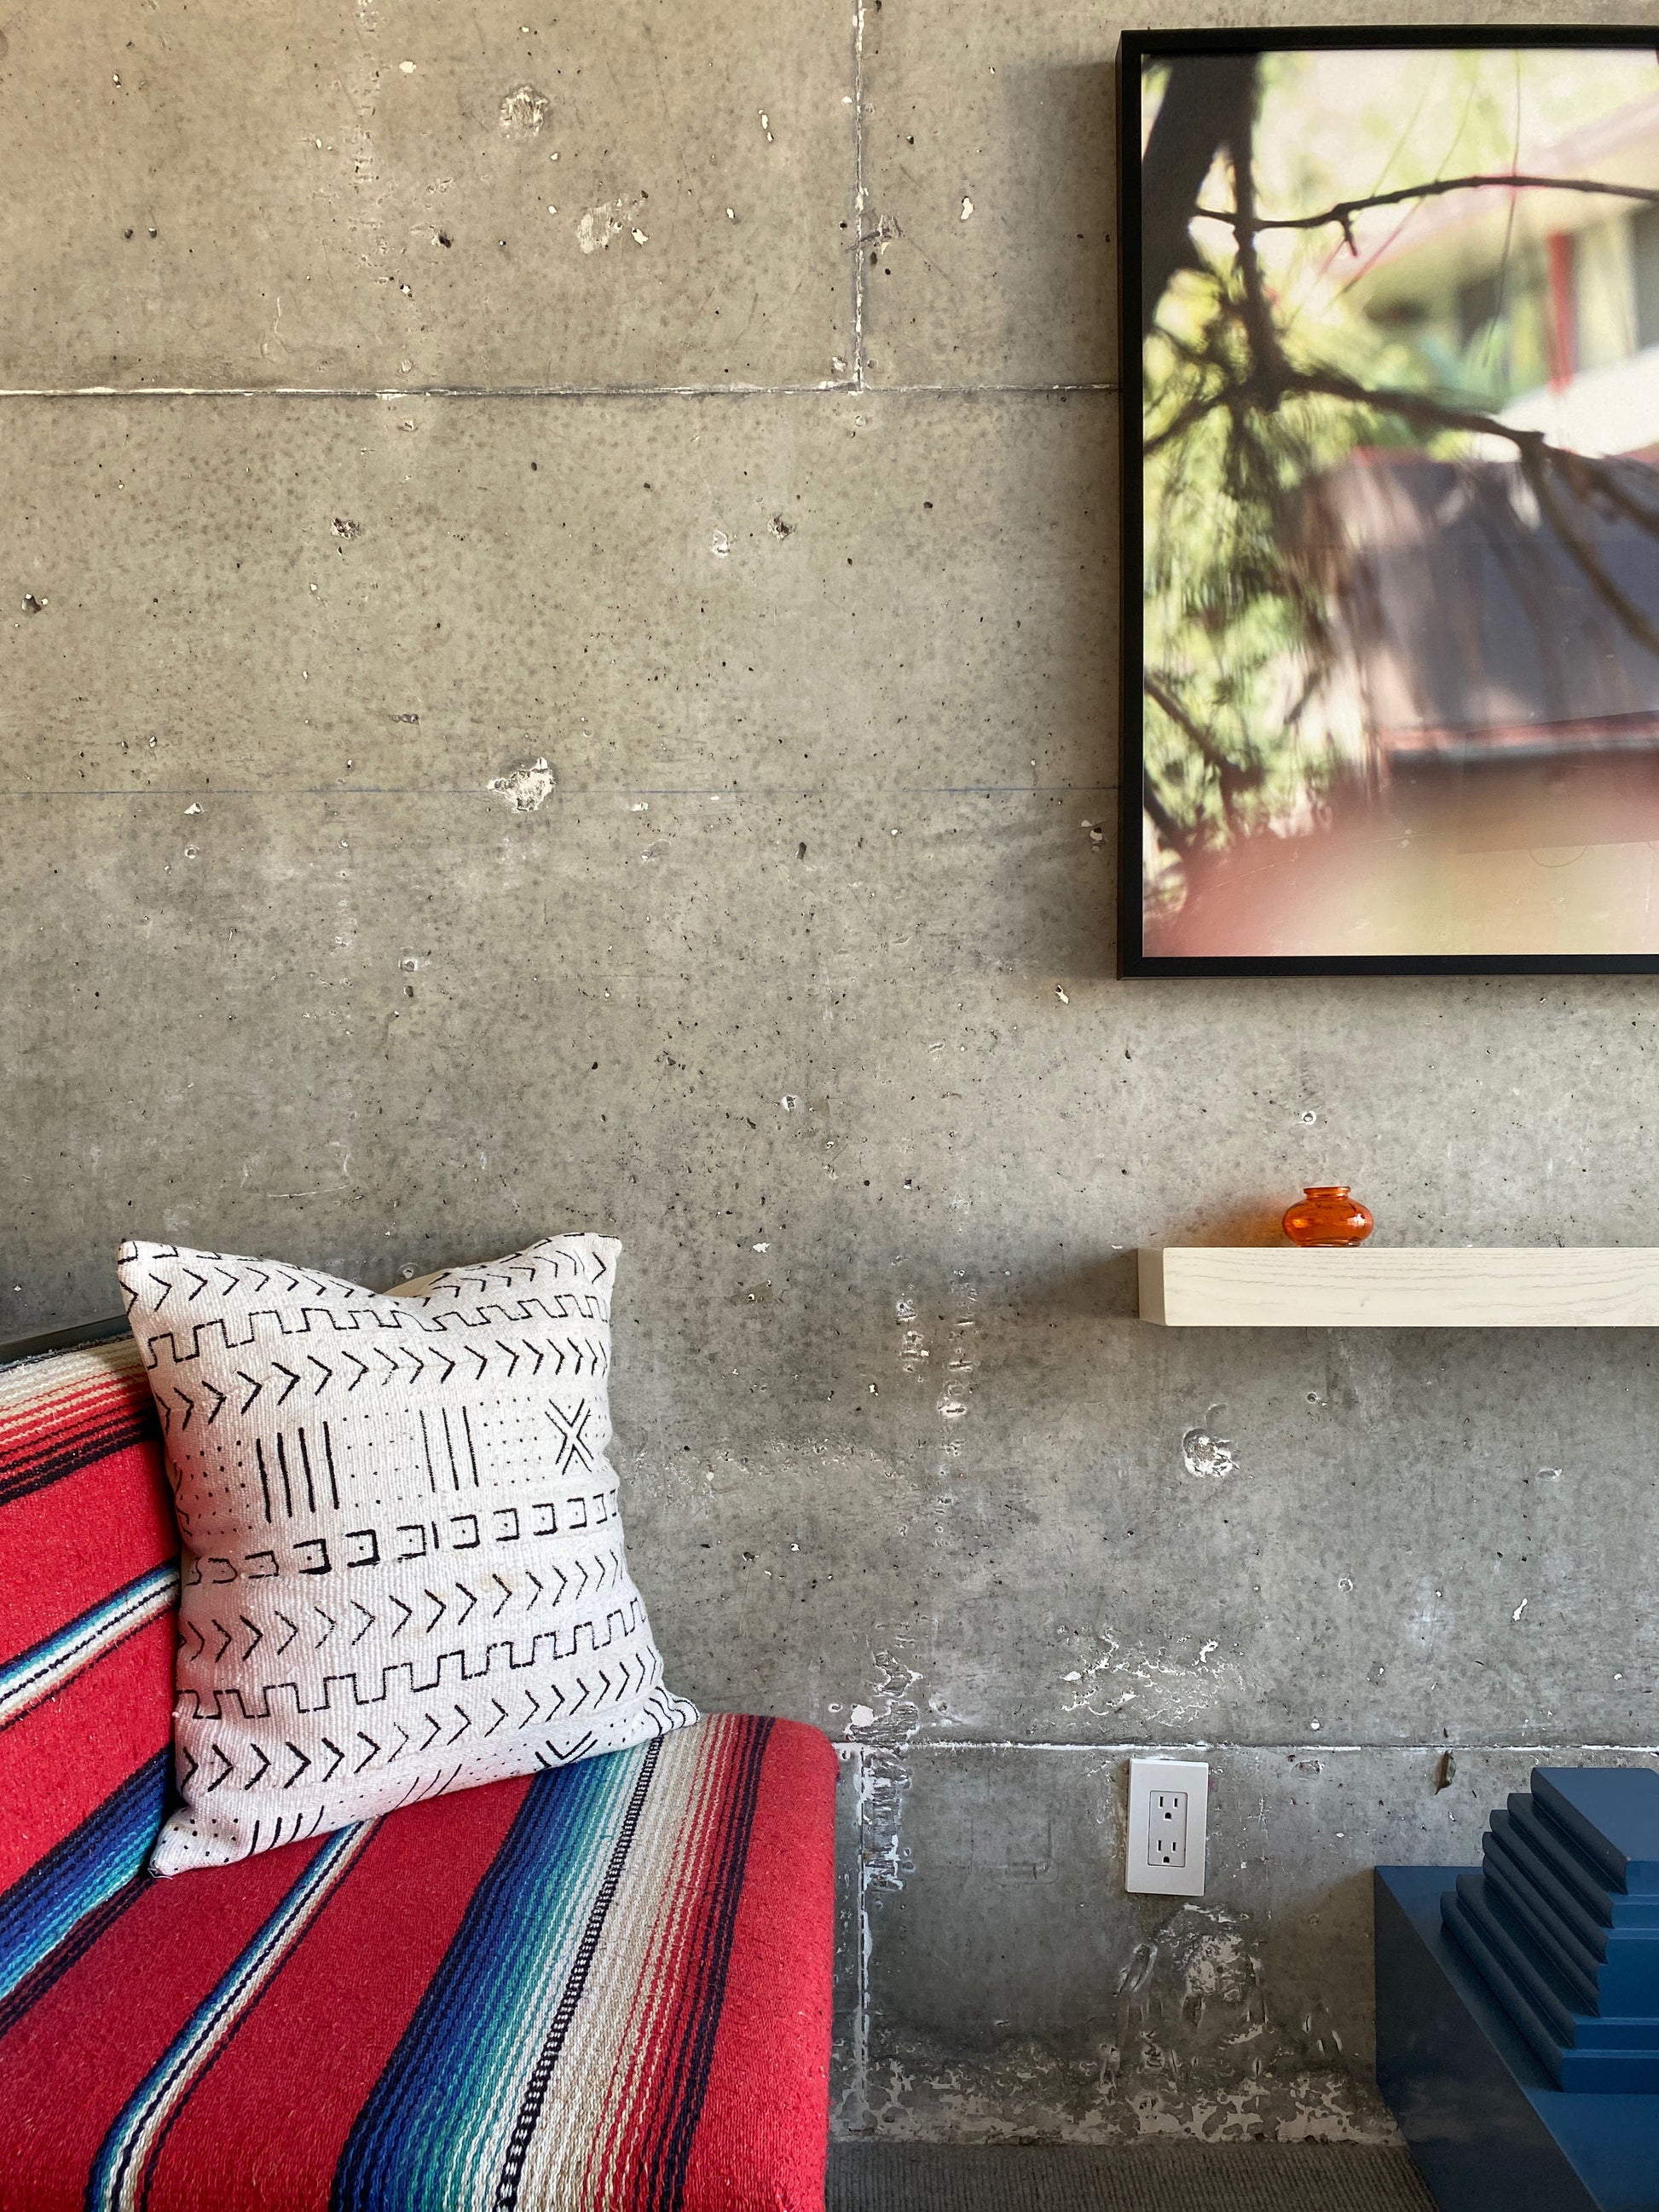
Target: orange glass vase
[[1326, 1214]]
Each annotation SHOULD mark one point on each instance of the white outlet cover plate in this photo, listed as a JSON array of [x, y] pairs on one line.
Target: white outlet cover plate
[[1146, 1777]]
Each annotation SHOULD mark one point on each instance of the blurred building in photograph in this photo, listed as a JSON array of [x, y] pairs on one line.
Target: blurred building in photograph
[[1486, 612], [1543, 306]]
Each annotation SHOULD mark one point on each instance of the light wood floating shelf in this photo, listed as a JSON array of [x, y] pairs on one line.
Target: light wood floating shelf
[[1419, 1286]]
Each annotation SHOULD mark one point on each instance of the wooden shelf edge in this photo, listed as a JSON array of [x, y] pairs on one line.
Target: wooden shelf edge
[[1400, 1286]]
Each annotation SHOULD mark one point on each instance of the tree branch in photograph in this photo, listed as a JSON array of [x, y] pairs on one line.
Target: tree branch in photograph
[[1342, 212], [1534, 468], [1232, 779], [1175, 834], [1255, 313], [1194, 412], [1542, 465], [1160, 690], [1423, 409], [1200, 96]]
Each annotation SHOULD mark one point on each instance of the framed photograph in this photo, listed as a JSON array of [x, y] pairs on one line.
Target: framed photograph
[[1391, 608]]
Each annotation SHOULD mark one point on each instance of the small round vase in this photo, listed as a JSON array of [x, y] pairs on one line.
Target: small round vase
[[1325, 1214]]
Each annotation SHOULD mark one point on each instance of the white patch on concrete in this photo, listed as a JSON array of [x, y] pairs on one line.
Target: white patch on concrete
[[954, 1397], [609, 220], [887, 1863], [912, 1344], [862, 1717], [1173, 1696], [884, 1864], [523, 111], [967, 209], [1202, 1951], [895, 1709], [1208, 1456], [720, 545], [526, 788]]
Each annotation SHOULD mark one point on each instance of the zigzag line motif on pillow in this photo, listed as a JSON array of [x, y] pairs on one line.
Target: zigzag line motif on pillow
[[403, 1568]]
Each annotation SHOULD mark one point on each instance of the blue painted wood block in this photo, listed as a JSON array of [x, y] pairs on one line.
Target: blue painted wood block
[[1578, 2051], [1612, 1814], [1566, 1947], [1614, 1970], [1531, 1831], [1488, 2127]]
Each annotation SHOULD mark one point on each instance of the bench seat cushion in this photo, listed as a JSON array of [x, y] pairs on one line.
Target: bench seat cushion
[[603, 1987]]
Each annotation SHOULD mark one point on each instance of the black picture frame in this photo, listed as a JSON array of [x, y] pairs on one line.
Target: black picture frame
[[1135, 50]]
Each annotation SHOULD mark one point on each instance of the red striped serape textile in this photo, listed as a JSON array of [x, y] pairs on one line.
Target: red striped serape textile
[[89, 1586], [605, 1987]]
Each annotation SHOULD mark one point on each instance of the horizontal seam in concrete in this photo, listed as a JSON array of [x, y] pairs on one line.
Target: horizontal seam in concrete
[[1155, 1744], [1064, 389], [771, 794], [402, 392]]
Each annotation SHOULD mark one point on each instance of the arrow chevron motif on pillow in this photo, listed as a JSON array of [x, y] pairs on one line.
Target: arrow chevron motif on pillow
[[403, 1570]]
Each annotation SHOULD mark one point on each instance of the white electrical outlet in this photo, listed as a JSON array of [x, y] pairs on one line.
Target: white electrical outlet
[[1168, 1802]]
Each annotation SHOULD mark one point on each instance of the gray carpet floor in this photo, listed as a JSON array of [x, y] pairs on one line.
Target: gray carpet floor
[[1159, 2177]]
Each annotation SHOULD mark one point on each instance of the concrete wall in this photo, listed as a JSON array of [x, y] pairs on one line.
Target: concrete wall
[[715, 404]]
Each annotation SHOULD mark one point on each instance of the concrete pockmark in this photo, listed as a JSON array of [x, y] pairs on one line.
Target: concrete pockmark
[[525, 789], [523, 110], [1206, 1455], [600, 224], [912, 1344], [963, 1362]]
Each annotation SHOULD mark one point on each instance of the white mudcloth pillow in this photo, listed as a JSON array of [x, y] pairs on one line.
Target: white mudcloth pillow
[[403, 1569]]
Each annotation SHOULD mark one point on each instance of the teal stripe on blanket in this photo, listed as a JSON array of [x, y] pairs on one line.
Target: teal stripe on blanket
[[100, 1858], [47, 1666], [119, 2180], [433, 2135]]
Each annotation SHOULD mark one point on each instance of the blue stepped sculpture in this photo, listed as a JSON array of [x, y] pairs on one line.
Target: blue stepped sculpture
[[1518, 2002], [1562, 1922]]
